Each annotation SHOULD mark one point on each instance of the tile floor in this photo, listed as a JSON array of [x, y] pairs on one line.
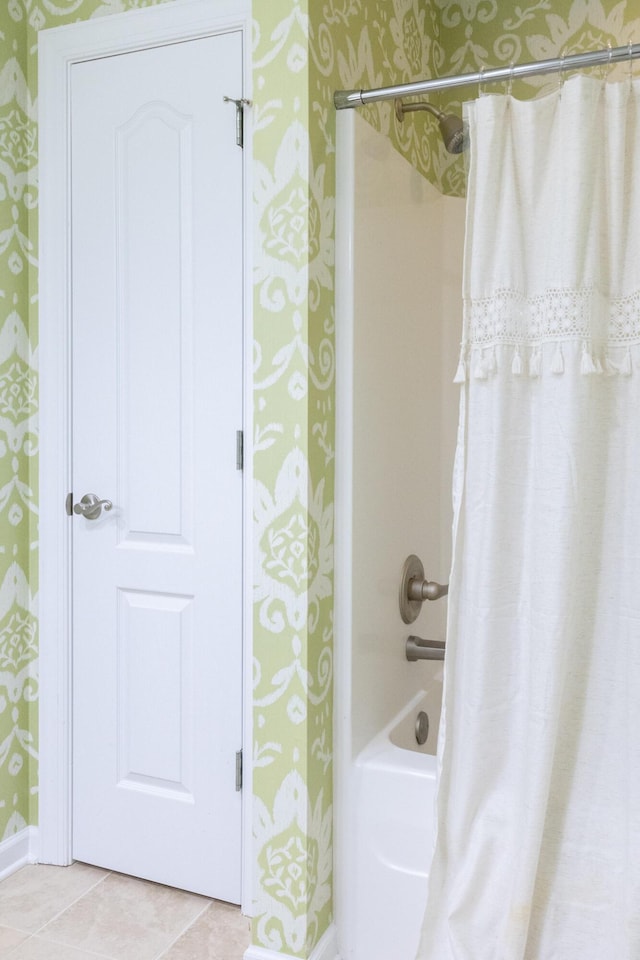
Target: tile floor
[[84, 913]]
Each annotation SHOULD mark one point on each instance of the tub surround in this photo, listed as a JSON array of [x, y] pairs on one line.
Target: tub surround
[[399, 309], [394, 793]]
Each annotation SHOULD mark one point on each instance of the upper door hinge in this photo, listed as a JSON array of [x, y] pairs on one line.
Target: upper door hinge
[[239, 450], [240, 105]]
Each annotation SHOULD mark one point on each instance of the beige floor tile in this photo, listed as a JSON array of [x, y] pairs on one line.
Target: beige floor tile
[[220, 933], [37, 948], [10, 938], [126, 919], [35, 894]]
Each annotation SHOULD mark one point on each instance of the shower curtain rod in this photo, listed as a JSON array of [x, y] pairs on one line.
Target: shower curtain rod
[[343, 99]]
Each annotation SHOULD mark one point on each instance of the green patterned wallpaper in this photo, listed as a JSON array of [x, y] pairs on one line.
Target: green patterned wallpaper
[[303, 50], [18, 435], [292, 501], [477, 33]]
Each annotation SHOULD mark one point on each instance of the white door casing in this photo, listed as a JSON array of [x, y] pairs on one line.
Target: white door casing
[[148, 542]]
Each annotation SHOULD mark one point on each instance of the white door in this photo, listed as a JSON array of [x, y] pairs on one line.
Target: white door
[[157, 401]]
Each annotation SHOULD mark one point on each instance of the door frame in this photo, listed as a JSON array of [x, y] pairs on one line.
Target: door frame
[[59, 49]]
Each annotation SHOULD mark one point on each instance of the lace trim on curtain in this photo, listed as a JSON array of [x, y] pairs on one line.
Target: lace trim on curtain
[[606, 327]]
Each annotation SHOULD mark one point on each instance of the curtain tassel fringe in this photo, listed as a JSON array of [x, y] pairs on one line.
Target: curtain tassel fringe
[[557, 363], [516, 365], [587, 364], [461, 372], [492, 363], [481, 367]]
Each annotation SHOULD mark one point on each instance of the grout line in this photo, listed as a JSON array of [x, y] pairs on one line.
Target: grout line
[[71, 946], [41, 934], [12, 952], [165, 950], [37, 931], [72, 902]]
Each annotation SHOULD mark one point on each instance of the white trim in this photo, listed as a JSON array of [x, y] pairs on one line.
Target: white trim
[[145, 27], [59, 48], [325, 949], [343, 547], [248, 865], [18, 850]]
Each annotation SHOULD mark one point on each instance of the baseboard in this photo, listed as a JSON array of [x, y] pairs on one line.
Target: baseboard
[[17, 850], [327, 946], [325, 949]]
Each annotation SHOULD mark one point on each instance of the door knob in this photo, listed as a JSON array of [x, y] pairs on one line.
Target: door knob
[[90, 506]]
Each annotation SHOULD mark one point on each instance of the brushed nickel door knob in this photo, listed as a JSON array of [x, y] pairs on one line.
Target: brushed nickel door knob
[[90, 506]]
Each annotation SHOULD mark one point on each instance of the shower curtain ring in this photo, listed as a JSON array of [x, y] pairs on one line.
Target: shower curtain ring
[[510, 80], [561, 77], [606, 67], [481, 89], [630, 59]]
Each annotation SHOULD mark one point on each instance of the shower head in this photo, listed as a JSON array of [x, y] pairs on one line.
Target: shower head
[[454, 133], [452, 130]]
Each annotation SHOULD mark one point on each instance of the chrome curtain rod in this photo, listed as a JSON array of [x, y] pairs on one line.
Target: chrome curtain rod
[[343, 99]]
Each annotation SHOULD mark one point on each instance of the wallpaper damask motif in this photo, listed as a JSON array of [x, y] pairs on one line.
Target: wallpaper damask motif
[[491, 33], [302, 51], [293, 502], [18, 436]]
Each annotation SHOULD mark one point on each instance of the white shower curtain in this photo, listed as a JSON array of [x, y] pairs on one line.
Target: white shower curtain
[[538, 847]]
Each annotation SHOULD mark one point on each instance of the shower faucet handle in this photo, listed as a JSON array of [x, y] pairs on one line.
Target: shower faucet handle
[[426, 589], [415, 589]]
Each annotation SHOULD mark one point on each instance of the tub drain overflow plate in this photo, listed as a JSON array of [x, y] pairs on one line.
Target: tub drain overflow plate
[[422, 727]]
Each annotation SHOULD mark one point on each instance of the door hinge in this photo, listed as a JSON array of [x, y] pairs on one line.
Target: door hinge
[[239, 450], [240, 105], [68, 505], [239, 770]]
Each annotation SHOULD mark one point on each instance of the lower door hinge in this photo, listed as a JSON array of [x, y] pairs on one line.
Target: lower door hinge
[[239, 770]]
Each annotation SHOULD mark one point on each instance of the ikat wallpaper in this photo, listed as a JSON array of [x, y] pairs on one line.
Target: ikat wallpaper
[[302, 51]]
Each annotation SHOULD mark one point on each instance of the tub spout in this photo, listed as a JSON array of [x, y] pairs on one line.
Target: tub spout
[[419, 649]]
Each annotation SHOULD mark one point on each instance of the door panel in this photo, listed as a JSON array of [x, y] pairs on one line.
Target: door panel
[[157, 401], [155, 685]]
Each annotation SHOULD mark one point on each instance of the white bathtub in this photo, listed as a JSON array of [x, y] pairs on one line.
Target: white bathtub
[[394, 832]]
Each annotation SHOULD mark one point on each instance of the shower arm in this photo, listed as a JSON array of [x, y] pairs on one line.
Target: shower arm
[[452, 130], [402, 108]]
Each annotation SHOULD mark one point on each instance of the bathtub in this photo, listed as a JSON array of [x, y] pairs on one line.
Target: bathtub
[[394, 793]]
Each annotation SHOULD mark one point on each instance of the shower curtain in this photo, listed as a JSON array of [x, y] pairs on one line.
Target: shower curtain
[[538, 838]]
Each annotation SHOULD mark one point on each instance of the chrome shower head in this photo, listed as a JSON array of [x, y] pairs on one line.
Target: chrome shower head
[[452, 130]]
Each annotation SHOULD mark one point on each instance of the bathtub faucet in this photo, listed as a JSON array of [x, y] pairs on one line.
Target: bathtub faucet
[[419, 649]]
